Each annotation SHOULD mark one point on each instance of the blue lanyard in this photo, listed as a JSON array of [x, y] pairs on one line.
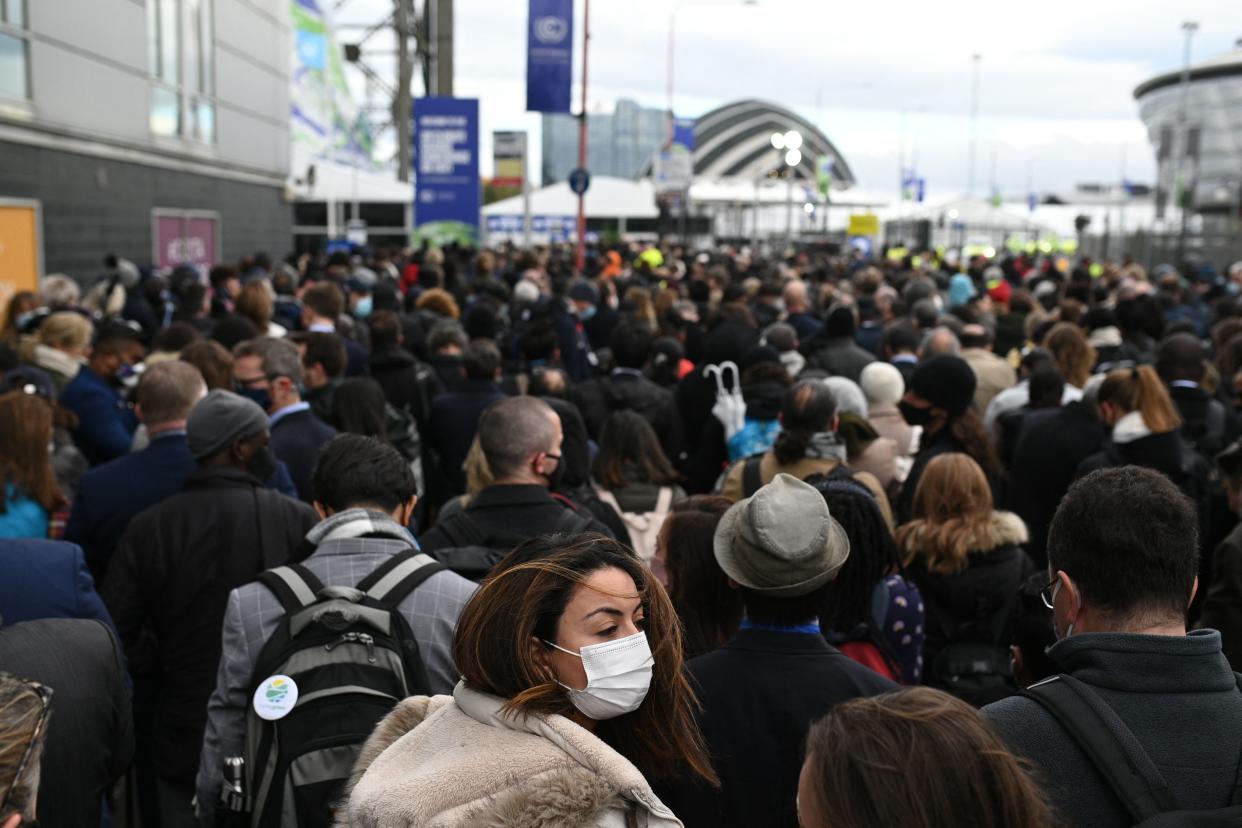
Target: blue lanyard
[[803, 629]]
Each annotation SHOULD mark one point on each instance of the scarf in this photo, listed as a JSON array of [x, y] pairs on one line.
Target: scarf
[[826, 445], [355, 523]]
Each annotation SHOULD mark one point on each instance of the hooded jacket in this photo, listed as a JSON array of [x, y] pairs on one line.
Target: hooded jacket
[[443, 762]]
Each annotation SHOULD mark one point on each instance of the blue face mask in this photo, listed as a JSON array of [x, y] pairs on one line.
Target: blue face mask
[[587, 313], [363, 309], [259, 396]]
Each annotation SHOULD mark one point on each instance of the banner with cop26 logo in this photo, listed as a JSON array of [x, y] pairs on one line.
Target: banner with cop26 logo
[[549, 55]]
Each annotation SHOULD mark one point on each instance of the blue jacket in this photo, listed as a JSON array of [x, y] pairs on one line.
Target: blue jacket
[[46, 579], [111, 495], [106, 424]]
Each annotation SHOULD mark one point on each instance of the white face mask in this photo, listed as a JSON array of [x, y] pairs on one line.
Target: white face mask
[[618, 676]]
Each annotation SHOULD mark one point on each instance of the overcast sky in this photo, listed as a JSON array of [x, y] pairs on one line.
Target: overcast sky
[[1056, 76]]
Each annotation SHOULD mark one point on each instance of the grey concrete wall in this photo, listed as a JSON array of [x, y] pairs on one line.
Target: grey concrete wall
[[94, 206]]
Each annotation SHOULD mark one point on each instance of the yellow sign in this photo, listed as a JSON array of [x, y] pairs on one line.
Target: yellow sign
[[19, 250], [864, 224]]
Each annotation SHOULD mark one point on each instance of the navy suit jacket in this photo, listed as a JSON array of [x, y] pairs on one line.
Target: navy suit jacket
[[455, 421], [356, 358], [46, 579], [296, 439], [106, 424], [111, 495]]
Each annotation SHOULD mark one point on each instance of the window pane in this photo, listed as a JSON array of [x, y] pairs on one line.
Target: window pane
[[192, 34], [165, 111], [12, 67], [17, 12], [170, 42], [153, 38], [206, 122], [208, 48]]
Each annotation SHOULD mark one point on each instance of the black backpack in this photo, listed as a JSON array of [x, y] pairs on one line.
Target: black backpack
[[353, 657], [976, 665], [1114, 752]]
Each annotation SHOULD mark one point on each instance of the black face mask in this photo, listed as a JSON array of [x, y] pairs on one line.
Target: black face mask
[[556, 476], [914, 415], [262, 463]]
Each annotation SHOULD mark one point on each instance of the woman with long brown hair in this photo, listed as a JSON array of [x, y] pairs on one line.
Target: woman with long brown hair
[[710, 610], [632, 475], [917, 758], [30, 492], [572, 698], [968, 561]]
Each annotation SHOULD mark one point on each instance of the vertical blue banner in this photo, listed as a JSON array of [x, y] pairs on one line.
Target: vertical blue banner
[[447, 192], [683, 132], [549, 55]]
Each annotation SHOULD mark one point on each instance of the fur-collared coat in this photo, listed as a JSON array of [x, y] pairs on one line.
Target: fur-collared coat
[[978, 602], [443, 762]]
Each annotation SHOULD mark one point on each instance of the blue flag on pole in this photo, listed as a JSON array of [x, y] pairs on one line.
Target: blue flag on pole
[[549, 55]]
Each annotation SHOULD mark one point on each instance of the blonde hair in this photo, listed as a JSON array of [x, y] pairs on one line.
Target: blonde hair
[[952, 502], [1140, 389], [66, 330], [478, 473]]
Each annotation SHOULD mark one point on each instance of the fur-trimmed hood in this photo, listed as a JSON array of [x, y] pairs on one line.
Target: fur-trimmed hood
[[445, 762], [1004, 529]]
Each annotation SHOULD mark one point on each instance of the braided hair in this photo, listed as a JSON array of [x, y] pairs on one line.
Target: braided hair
[[846, 608]]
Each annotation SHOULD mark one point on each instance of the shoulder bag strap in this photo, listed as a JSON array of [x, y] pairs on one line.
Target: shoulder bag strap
[[752, 478], [607, 496], [1108, 743], [665, 501], [295, 586], [398, 576]]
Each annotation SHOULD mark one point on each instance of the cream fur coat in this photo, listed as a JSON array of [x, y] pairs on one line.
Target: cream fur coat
[[443, 762]]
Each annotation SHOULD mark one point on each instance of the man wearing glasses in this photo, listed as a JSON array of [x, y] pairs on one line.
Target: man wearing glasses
[[1137, 691]]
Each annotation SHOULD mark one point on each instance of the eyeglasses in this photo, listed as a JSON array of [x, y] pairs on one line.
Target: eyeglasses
[[44, 695], [1048, 594]]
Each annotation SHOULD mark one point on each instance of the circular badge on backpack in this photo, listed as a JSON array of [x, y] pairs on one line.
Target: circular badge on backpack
[[275, 698]]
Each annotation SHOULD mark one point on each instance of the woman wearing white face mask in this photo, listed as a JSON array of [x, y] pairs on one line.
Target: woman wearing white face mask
[[572, 698]]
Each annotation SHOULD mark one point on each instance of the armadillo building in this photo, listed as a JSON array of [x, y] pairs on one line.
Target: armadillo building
[[1213, 134]]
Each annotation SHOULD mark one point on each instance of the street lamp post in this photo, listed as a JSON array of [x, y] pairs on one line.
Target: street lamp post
[[580, 250], [1184, 198], [974, 123], [791, 144]]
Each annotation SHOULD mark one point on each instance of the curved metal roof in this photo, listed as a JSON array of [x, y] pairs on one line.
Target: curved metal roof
[[733, 141], [1228, 64]]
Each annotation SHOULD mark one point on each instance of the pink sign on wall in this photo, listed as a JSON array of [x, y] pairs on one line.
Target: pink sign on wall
[[185, 237]]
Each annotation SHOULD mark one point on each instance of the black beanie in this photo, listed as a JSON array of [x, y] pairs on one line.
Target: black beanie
[[946, 382]]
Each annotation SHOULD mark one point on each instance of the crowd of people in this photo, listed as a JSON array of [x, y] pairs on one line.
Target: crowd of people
[[694, 537]]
